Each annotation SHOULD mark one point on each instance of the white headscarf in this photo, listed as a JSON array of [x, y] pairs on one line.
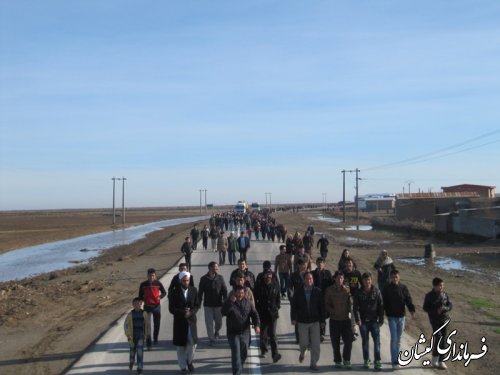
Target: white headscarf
[[183, 274]]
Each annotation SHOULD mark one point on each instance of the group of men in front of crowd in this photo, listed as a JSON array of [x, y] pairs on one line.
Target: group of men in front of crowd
[[347, 298]]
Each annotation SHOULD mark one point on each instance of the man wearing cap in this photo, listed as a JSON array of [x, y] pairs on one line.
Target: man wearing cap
[[183, 305], [176, 283]]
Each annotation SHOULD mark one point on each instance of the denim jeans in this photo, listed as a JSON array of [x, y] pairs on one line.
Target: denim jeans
[[367, 328], [239, 350], [396, 327], [137, 348], [283, 281]]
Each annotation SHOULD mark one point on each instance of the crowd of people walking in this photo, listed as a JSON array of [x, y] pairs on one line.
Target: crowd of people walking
[[346, 297]]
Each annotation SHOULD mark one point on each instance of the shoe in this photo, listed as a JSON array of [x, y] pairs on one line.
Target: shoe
[[377, 366], [338, 365], [276, 357], [183, 370], [322, 338], [442, 366], [367, 363], [396, 366], [211, 343], [149, 347], [314, 368], [190, 367], [139, 371], [216, 334], [263, 353], [347, 365], [155, 341], [301, 357], [131, 365], [435, 362]]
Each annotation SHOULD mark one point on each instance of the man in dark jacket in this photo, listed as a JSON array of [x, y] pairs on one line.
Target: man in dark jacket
[[176, 283], [240, 313], [396, 296], [323, 246], [195, 234], [307, 310], [437, 304], [249, 276], [183, 305], [322, 279], [369, 316], [213, 288], [151, 292], [243, 245], [187, 250], [268, 302]]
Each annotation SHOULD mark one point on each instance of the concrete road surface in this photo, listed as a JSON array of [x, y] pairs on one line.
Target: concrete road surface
[[110, 354]]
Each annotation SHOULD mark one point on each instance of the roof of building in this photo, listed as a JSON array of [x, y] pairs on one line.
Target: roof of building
[[468, 185], [467, 194]]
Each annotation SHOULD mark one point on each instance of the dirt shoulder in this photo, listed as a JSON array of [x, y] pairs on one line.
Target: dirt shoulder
[[47, 322], [475, 296]]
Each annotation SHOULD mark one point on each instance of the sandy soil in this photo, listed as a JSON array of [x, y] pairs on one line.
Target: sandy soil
[[46, 322]]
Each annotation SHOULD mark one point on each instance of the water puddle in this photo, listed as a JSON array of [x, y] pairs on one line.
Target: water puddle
[[34, 260], [471, 263], [327, 219], [355, 227]]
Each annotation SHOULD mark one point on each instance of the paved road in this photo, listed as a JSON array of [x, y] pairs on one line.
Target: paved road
[[110, 354]]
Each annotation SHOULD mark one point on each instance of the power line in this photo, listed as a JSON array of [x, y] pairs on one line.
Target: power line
[[429, 156]]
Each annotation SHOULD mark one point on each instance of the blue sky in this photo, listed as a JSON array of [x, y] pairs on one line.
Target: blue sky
[[243, 98]]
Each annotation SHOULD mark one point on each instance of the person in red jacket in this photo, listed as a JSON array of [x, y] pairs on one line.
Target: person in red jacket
[[151, 292]]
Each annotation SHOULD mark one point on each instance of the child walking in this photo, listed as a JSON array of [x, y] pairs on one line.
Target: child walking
[[137, 330]]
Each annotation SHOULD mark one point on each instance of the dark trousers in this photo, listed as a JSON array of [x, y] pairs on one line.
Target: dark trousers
[[187, 259], [441, 335], [268, 335], [194, 243], [156, 311], [341, 328], [232, 256], [323, 253], [243, 254], [239, 350], [205, 242], [284, 277]]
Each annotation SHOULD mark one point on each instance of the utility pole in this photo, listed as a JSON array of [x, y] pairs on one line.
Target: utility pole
[[200, 199], [205, 190], [357, 196], [266, 201], [123, 200], [343, 195], [114, 211]]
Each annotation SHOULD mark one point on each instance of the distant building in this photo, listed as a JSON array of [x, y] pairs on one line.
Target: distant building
[[376, 202], [481, 190], [423, 206]]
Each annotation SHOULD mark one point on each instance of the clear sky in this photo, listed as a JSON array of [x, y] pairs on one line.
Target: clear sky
[[243, 98]]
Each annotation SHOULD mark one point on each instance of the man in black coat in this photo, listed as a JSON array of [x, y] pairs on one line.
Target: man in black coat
[[268, 303], [437, 304], [240, 313], [308, 310], [183, 305]]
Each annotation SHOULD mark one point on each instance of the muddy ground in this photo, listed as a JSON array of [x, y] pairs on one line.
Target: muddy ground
[[46, 322]]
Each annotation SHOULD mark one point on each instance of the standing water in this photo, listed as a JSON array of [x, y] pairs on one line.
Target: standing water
[[34, 260]]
